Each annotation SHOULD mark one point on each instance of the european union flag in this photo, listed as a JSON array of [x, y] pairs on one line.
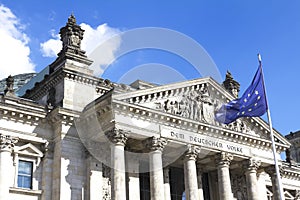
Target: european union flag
[[252, 103]]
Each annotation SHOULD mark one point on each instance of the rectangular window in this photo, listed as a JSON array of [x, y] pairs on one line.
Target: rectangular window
[[25, 174]]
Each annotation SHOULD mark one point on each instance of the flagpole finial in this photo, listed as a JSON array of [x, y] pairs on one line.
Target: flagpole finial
[[259, 57]]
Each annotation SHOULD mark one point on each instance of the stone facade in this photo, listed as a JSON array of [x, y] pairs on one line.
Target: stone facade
[[75, 136]]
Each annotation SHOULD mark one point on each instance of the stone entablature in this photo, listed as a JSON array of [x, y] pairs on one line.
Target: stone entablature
[[290, 172], [21, 110], [169, 120]]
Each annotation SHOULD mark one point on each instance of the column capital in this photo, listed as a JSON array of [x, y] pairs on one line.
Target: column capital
[[155, 143], [272, 172], [117, 136], [192, 152], [7, 142], [251, 164], [223, 158]]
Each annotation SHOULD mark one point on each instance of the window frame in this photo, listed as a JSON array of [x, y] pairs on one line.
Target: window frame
[[32, 161]]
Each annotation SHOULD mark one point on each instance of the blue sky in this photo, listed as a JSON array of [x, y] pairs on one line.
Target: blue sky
[[232, 33]]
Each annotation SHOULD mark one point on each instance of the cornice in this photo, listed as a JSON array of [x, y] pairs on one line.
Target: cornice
[[22, 110], [291, 172], [41, 88]]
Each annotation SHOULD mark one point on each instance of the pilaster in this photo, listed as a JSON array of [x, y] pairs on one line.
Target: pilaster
[[7, 144]]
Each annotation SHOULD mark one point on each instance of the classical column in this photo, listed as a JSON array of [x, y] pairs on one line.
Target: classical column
[[118, 138], [94, 178], [190, 173], [275, 188], [133, 179], [223, 161], [167, 184], [261, 184], [199, 178], [6, 164], [156, 146], [250, 167]]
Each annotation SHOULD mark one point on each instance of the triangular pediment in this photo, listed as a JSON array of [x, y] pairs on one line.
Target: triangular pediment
[[29, 150], [196, 100]]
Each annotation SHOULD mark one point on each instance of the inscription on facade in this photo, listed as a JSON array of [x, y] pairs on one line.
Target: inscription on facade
[[205, 141]]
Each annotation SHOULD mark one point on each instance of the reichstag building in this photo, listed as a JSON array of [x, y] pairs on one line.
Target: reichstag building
[[74, 136]]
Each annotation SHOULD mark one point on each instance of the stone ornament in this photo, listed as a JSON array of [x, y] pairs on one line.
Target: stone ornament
[[7, 142], [117, 136], [71, 36], [223, 158], [239, 186], [9, 90], [231, 85], [155, 143], [192, 152]]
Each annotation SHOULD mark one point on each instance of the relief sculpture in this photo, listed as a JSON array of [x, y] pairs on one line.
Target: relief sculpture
[[200, 106], [196, 105]]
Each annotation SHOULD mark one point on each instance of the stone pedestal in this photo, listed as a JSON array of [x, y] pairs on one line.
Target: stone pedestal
[[223, 161], [118, 139], [190, 173], [250, 167], [6, 164], [156, 146], [167, 184]]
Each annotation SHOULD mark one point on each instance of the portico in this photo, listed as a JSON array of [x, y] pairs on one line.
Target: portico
[[164, 141]]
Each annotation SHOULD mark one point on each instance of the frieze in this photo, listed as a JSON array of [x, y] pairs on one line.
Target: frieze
[[204, 141]]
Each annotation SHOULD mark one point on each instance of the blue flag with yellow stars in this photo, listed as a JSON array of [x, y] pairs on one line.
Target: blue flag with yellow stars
[[252, 104]]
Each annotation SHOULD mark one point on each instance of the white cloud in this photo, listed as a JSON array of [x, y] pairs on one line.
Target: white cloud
[[14, 49], [51, 47], [93, 38]]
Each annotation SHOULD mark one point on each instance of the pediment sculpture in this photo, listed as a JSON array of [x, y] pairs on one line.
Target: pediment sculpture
[[200, 105]]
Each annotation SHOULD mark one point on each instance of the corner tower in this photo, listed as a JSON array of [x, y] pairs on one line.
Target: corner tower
[[69, 82]]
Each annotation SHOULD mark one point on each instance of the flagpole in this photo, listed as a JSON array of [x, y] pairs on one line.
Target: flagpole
[[272, 139]]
